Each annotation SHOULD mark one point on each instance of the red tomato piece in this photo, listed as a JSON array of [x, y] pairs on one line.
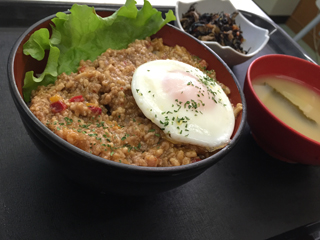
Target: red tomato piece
[[82, 68], [58, 106], [203, 63], [195, 160], [77, 99], [95, 109]]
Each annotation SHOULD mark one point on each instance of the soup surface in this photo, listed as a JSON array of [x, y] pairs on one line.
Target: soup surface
[[293, 102]]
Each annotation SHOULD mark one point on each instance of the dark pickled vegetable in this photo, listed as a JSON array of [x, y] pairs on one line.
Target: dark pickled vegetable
[[220, 27]]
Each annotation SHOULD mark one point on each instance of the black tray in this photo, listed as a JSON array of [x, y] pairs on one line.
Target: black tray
[[279, 43], [247, 195]]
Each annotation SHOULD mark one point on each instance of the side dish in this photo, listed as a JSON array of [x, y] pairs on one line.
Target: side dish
[[219, 27]]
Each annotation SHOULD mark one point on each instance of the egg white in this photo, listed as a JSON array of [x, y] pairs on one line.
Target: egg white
[[184, 102]]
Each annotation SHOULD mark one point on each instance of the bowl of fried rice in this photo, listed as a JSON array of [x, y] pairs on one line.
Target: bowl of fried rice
[[88, 125]]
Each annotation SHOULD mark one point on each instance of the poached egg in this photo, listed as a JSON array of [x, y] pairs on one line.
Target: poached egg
[[189, 106]]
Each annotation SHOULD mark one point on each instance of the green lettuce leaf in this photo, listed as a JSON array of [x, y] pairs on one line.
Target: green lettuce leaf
[[83, 35]]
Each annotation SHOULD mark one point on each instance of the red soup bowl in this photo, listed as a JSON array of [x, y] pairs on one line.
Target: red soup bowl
[[272, 134], [102, 174]]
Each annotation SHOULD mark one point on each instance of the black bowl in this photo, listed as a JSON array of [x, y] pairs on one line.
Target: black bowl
[[102, 174]]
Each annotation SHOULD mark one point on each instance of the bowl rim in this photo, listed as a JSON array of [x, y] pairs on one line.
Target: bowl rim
[[262, 105], [214, 43], [66, 145]]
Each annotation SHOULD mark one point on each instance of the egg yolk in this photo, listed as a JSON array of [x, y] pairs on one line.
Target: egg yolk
[[186, 88]]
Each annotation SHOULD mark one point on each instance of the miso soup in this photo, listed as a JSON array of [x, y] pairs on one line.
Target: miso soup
[[292, 101]]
